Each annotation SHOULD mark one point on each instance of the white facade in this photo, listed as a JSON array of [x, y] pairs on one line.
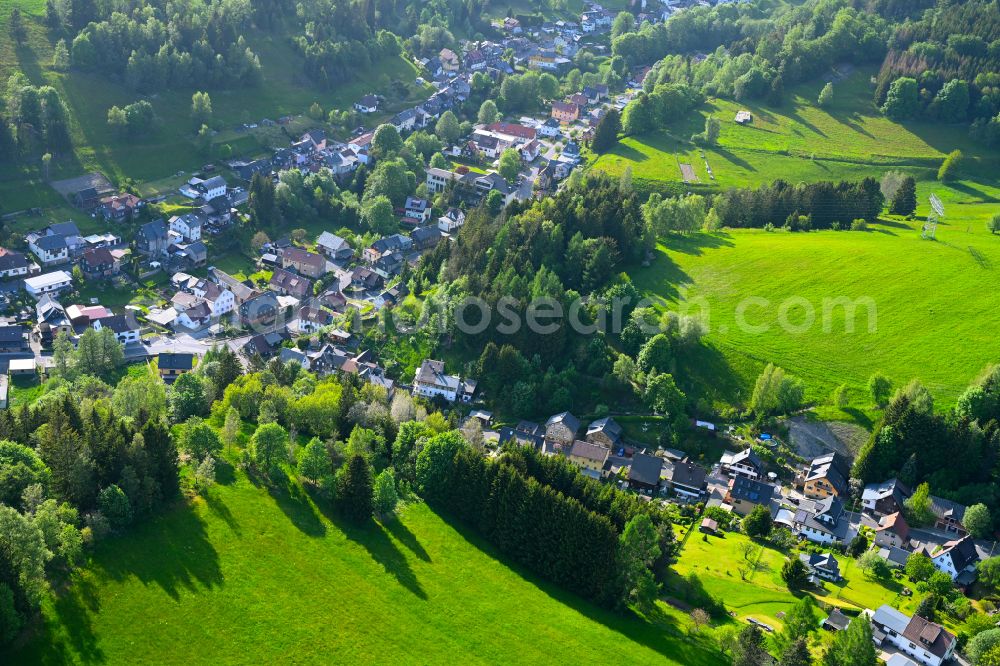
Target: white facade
[[224, 304], [48, 283], [187, 226]]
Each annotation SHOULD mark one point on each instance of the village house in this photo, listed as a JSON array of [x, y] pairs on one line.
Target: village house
[[451, 221], [260, 310], [311, 319], [13, 264], [550, 128], [13, 338], [431, 381], [51, 320], [920, 639], [188, 225], [98, 263], [892, 531], [195, 315], [425, 237], [152, 238], [196, 188], [956, 558], [367, 104], [589, 457], [173, 365], [220, 299], [366, 279], [744, 494], [743, 463], [565, 112], [449, 60], [290, 284], [418, 209], [882, 499], [644, 474], [49, 250], [948, 515], [826, 475], [48, 283], [306, 263], [385, 246], [241, 291], [605, 431], [561, 429], [821, 566], [334, 247], [125, 330], [822, 521], [119, 207], [685, 479]]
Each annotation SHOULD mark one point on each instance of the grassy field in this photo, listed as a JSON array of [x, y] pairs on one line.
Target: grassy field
[[716, 560], [797, 142], [168, 149], [266, 576], [934, 307]]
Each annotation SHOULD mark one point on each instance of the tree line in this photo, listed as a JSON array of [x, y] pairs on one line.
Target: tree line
[[538, 527]]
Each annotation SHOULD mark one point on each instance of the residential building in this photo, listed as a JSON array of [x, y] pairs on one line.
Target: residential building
[[125, 330], [948, 515], [50, 249], [821, 566], [956, 558], [287, 283], [425, 237], [449, 60], [882, 499], [306, 263], [210, 189], [550, 128], [98, 263], [561, 429], [334, 246], [826, 475], [194, 316], [451, 221], [892, 531], [260, 310], [431, 381], [565, 112], [48, 283], [821, 521], [924, 641], [644, 474], [589, 457], [119, 207], [173, 365], [13, 264], [220, 299], [745, 494], [152, 238], [367, 104], [13, 338], [685, 478], [743, 463], [311, 319], [188, 225], [605, 431], [418, 209]]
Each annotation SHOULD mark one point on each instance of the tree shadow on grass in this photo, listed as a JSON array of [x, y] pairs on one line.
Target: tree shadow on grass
[[298, 506], [696, 244], [375, 539], [733, 159], [656, 631], [172, 552], [220, 509], [979, 195], [396, 528], [73, 608], [628, 153]]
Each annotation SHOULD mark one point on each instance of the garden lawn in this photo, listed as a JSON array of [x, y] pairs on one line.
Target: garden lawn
[[934, 304], [265, 576], [716, 562]]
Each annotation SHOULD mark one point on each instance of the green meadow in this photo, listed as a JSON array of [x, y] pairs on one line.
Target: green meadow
[[797, 142], [925, 309], [169, 148], [249, 574]]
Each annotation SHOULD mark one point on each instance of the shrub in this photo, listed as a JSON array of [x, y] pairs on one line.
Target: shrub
[[859, 225]]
